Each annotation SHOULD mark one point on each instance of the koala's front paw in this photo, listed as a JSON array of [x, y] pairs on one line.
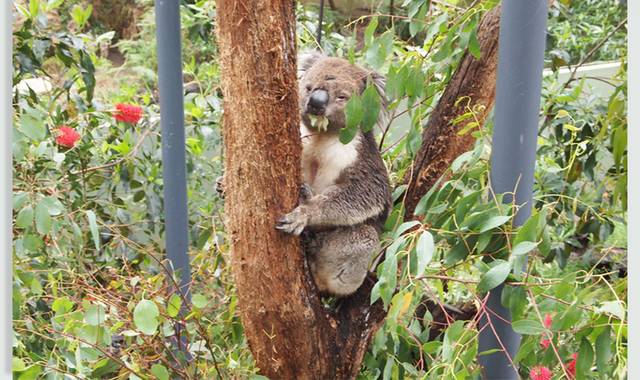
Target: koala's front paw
[[294, 222], [305, 193], [220, 186]]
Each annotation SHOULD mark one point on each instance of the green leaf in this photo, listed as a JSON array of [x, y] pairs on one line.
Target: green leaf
[[466, 203], [585, 359], [173, 307], [523, 248], [370, 108], [516, 299], [25, 217], [615, 308], [53, 205], [160, 372], [566, 320], [404, 227], [354, 112], [145, 317], [81, 15], [603, 350], [95, 315], [424, 250], [93, 226], [442, 53], [526, 348], [451, 340], [370, 29], [474, 45], [417, 18], [32, 126], [494, 276], [387, 271], [494, 222], [31, 373], [43, 219], [32, 242], [528, 327], [199, 301], [19, 199], [34, 6], [388, 368], [62, 305], [347, 134], [530, 229], [460, 251], [18, 365]]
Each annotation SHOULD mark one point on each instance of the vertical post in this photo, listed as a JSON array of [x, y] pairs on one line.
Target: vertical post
[[520, 64], [173, 140], [633, 184], [319, 31], [5, 202]]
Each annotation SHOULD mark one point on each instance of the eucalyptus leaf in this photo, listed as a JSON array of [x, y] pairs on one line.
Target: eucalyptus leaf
[[523, 248], [160, 372], [494, 222], [25, 217], [424, 250], [32, 126], [494, 276], [93, 226], [527, 327], [145, 317], [43, 219], [173, 306]]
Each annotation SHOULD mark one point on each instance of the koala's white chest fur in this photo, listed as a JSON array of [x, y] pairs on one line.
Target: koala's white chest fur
[[324, 157]]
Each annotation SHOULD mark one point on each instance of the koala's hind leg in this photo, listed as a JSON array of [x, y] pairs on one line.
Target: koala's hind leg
[[341, 258]]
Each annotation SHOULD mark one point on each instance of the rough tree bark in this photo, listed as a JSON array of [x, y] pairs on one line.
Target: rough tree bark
[[475, 78], [290, 333]]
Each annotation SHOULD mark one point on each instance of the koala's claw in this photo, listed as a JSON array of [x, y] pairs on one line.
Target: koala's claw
[[292, 223], [305, 193], [220, 186]]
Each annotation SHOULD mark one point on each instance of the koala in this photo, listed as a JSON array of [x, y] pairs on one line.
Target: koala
[[346, 196]]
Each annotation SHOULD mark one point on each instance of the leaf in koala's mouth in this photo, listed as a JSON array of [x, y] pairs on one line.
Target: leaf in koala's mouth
[[319, 122]]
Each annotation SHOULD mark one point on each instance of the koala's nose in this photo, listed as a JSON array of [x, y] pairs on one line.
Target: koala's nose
[[318, 102]]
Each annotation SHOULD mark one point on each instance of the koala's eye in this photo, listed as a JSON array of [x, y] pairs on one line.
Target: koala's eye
[[308, 87], [342, 97]]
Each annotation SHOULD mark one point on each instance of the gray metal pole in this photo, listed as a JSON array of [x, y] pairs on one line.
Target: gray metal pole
[[6, 239], [520, 63], [173, 140]]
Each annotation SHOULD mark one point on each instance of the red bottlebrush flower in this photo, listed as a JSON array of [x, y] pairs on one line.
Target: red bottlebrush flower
[[545, 343], [548, 321], [128, 113], [540, 373], [571, 367], [67, 136]]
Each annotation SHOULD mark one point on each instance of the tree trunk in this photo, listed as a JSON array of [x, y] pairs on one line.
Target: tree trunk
[[290, 333], [474, 78]]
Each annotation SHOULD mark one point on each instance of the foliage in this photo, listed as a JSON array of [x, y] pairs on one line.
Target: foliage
[[577, 26], [93, 295]]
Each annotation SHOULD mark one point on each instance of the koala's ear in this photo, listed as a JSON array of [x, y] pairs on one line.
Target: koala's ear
[[379, 82], [306, 59]]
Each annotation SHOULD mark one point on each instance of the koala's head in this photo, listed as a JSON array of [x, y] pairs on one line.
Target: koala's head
[[325, 86]]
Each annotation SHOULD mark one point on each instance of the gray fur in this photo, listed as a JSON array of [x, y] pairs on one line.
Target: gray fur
[[341, 222]]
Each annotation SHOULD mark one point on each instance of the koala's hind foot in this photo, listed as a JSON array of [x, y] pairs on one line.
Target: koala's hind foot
[[340, 258]]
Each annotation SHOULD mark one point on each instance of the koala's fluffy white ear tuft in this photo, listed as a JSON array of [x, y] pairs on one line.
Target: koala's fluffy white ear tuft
[[306, 59], [379, 82]]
